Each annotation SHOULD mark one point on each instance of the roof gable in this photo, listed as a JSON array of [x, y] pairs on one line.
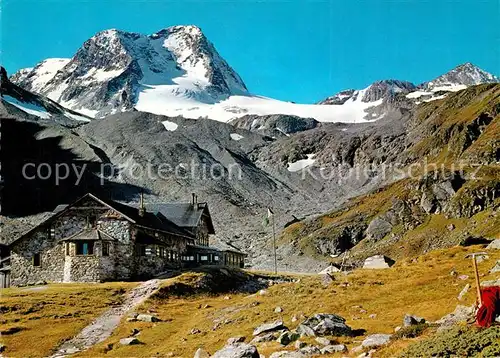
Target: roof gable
[[154, 221]]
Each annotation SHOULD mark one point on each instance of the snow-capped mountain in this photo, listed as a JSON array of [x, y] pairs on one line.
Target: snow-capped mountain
[[375, 92], [459, 78], [21, 103], [178, 72], [116, 71], [35, 78]]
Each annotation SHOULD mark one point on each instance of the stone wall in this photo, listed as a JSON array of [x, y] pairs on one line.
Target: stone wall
[[84, 268], [23, 271]]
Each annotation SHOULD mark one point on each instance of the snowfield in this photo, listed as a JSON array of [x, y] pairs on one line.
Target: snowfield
[[301, 164], [166, 100], [170, 126], [236, 136], [29, 108]]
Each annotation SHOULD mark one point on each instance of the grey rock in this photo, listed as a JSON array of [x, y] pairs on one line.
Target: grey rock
[[461, 314], [490, 283], [463, 292], [201, 353], [278, 309], [494, 245], [287, 354], [496, 268], [238, 339], [334, 348], [147, 318], [376, 340], [268, 337], [129, 341], [288, 337], [326, 325], [377, 229], [411, 320], [305, 331], [269, 327], [237, 350], [275, 125], [300, 344], [310, 350], [324, 341]]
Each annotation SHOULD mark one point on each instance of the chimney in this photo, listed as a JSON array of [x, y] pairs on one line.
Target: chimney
[[142, 209], [194, 199]]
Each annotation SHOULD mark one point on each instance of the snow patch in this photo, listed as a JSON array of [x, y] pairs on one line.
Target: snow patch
[[301, 164], [29, 108], [170, 126], [236, 136]]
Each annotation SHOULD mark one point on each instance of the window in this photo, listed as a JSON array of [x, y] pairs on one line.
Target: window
[[36, 260], [85, 248], [204, 258], [67, 249], [216, 258], [161, 251], [148, 251], [105, 249], [91, 221]]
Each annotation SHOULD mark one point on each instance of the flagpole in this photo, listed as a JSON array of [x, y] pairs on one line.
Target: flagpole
[[274, 247]]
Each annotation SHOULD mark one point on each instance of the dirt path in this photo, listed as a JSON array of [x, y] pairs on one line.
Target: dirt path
[[102, 327]]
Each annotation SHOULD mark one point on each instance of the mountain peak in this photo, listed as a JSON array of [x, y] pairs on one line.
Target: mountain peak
[[460, 77], [113, 70]]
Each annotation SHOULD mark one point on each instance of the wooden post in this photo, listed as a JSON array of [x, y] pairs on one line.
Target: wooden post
[[476, 274], [478, 284]]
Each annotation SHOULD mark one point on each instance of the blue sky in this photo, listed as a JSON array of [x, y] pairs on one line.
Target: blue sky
[[293, 50]]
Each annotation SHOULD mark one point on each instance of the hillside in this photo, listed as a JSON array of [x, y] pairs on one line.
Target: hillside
[[194, 310], [448, 189]]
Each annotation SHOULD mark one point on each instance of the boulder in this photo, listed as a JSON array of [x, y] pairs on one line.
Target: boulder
[[238, 339], [129, 341], [410, 320], [201, 353], [310, 350], [237, 350], [334, 348], [490, 283], [2, 347], [461, 314], [463, 292], [268, 337], [378, 262], [300, 344], [377, 229], [327, 279], [305, 331], [494, 245], [287, 337], [324, 341], [496, 268], [269, 327], [278, 309], [324, 324], [147, 318], [287, 354], [376, 340]]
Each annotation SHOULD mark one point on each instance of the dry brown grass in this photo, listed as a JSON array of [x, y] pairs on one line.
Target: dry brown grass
[[423, 287], [49, 315]]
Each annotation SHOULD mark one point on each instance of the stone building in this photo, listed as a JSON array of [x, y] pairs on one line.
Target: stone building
[[93, 240]]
